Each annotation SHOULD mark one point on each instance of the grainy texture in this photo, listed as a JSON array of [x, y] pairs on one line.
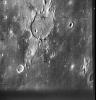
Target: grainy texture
[[52, 40]]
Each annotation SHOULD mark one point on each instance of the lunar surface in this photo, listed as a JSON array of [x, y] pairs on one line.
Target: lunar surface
[[46, 44]]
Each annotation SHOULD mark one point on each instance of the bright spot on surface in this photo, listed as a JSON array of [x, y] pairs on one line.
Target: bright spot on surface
[[5, 2], [52, 55], [1, 55], [85, 66], [11, 34], [20, 69], [30, 34], [70, 2], [86, 63], [5, 17], [72, 67], [31, 52]]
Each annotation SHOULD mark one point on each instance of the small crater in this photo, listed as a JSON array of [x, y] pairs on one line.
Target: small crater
[[70, 25], [20, 69]]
